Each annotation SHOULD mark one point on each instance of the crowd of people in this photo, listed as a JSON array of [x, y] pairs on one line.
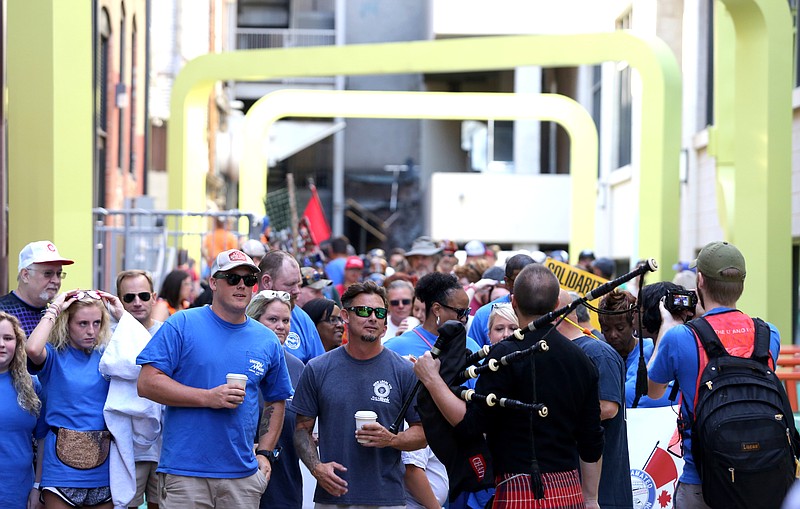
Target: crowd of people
[[262, 365]]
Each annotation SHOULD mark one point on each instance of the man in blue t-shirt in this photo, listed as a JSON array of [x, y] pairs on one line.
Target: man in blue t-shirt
[[280, 272], [362, 468], [720, 283], [207, 457]]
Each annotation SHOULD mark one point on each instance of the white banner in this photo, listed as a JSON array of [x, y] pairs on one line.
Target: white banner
[[654, 452]]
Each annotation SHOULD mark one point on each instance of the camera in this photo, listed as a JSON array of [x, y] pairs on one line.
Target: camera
[[679, 300]]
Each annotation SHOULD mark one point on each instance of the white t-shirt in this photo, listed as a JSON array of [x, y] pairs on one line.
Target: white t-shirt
[[391, 328], [434, 471]]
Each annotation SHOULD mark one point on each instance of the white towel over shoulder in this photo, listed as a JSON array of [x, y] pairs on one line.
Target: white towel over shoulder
[[134, 422]]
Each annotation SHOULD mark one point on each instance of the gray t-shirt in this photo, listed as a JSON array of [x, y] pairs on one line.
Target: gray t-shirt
[[333, 387]]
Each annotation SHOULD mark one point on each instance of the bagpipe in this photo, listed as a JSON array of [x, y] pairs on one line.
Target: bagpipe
[[467, 458]]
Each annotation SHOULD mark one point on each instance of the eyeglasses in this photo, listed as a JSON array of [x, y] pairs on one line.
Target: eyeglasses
[[143, 296], [83, 294], [273, 294], [397, 302], [460, 313], [48, 274], [233, 279], [335, 320], [365, 311]]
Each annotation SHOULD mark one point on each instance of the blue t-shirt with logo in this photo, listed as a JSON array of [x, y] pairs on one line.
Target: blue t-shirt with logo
[[197, 348], [303, 340]]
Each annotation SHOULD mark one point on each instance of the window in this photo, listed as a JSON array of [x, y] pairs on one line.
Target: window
[[624, 102], [597, 89], [121, 90], [793, 5], [709, 110], [101, 92], [132, 125]]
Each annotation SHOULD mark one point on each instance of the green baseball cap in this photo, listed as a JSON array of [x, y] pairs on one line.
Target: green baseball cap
[[717, 257]]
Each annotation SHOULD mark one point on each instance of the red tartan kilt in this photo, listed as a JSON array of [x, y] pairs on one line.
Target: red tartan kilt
[[562, 490]]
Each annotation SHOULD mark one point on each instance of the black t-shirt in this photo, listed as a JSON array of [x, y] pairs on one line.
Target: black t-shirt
[[566, 381]]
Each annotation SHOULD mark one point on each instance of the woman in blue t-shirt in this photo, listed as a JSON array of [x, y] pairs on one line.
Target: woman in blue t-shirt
[[64, 350], [19, 413]]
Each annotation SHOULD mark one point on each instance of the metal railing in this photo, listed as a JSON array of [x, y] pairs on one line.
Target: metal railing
[[151, 239], [266, 38]]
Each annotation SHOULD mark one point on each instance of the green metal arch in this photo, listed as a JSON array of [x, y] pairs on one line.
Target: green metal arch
[[430, 105], [651, 57]]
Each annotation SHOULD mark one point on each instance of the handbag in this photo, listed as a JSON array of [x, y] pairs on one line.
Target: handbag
[[83, 450]]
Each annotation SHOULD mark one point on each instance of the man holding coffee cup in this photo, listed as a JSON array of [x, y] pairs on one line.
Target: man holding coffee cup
[[364, 380], [207, 456]]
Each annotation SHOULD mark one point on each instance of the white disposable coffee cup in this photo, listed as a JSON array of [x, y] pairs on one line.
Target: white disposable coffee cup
[[363, 417], [237, 380]]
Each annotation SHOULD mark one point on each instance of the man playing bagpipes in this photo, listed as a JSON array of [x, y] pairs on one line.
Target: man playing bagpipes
[[535, 453]]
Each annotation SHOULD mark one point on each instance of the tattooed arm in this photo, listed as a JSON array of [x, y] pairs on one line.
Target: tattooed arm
[[324, 473], [269, 430]]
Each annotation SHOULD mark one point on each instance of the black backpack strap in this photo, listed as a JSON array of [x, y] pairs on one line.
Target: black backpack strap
[[708, 338], [762, 336]]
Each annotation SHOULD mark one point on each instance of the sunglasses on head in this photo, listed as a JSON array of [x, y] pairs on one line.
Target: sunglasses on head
[[233, 279], [397, 302], [143, 296], [460, 312], [312, 278], [366, 311], [272, 294], [83, 294]]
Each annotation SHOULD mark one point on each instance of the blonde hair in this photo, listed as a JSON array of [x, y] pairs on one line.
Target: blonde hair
[[504, 310], [18, 369], [59, 336], [259, 304]]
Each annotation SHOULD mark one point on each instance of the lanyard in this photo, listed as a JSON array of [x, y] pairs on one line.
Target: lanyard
[[430, 346]]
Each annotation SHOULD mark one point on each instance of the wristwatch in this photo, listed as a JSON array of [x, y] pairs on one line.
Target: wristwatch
[[272, 456]]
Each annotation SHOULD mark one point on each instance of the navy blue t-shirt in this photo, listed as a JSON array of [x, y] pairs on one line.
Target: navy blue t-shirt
[[615, 478], [285, 488]]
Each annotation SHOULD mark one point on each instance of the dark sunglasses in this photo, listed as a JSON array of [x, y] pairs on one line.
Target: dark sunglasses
[[233, 279], [397, 302], [460, 313], [365, 311], [143, 296]]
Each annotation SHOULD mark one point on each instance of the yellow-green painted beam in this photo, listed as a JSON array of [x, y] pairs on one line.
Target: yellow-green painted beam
[[755, 178], [429, 105], [651, 57], [49, 63]]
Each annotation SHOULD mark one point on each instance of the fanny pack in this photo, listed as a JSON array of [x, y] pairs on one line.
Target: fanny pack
[[83, 450]]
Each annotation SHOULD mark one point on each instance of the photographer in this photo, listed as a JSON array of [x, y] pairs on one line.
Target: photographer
[[619, 331], [651, 312], [720, 283]]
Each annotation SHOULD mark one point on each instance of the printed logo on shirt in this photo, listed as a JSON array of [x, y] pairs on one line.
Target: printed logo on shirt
[[292, 341], [381, 388], [255, 366]]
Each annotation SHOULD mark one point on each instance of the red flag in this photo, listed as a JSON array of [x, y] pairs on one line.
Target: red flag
[[661, 467], [314, 215]]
